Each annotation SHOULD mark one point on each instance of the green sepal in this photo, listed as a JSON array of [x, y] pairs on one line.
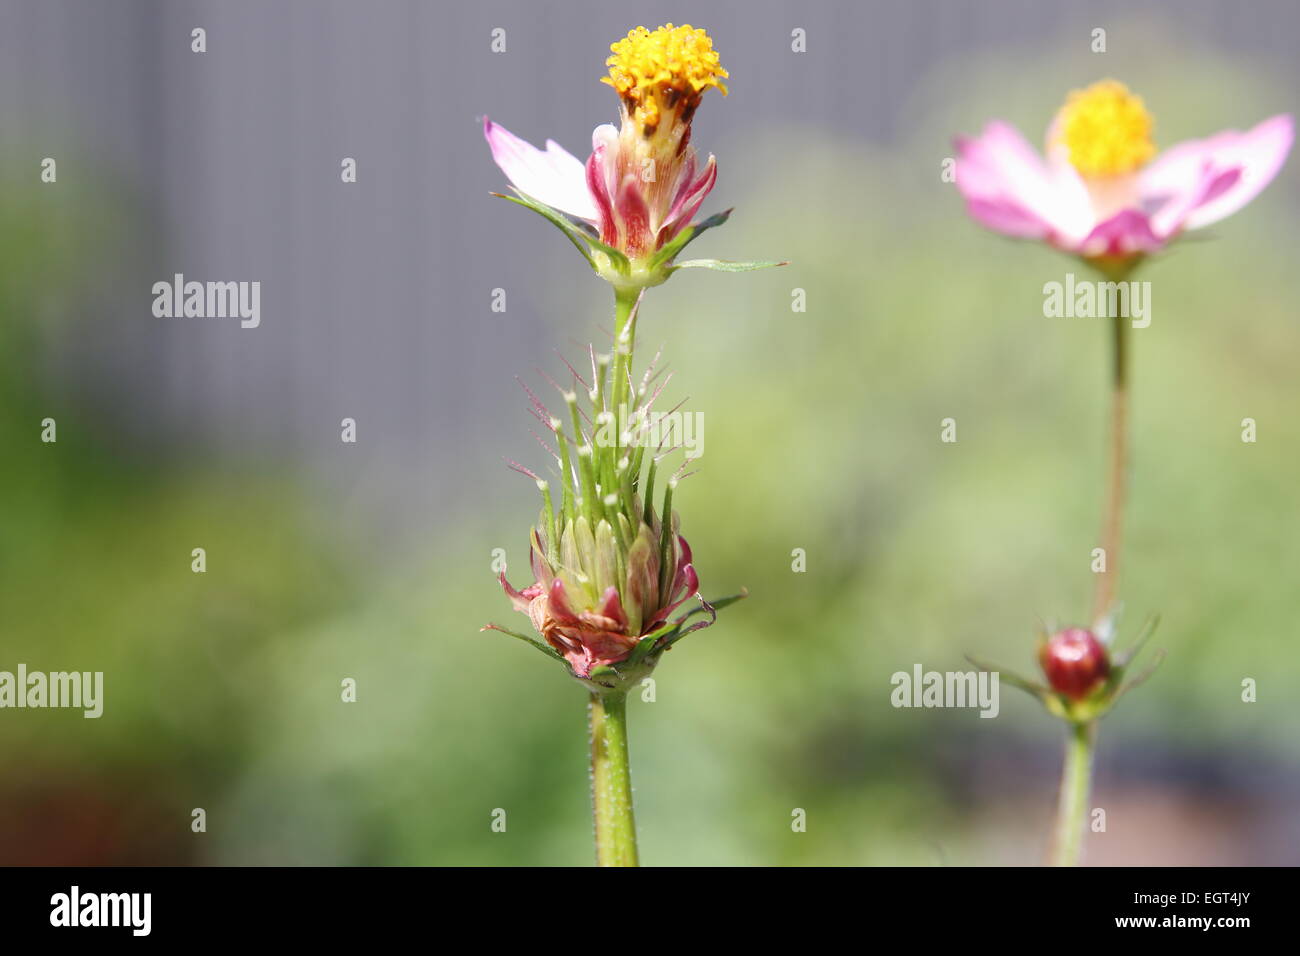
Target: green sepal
[[556, 218], [578, 233], [532, 641], [686, 236], [1030, 687], [723, 265], [667, 634], [647, 643], [1122, 661]]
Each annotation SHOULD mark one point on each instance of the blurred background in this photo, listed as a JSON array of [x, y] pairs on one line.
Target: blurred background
[[372, 560]]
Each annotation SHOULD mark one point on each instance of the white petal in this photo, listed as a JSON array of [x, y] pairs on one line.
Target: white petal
[[555, 177]]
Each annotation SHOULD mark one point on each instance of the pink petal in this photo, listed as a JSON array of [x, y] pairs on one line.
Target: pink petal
[[685, 181], [686, 579], [1257, 154], [1169, 213], [1010, 188], [685, 550], [633, 216], [518, 599], [688, 201], [542, 573], [1008, 218], [597, 174], [579, 657], [555, 177], [612, 608], [557, 601], [1123, 234]]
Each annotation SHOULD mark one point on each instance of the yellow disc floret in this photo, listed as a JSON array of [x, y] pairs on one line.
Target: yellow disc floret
[[1106, 129], [663, 70]]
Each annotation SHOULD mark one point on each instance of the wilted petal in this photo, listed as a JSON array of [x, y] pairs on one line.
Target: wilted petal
[[633, 216], [685, 550], [554, 177], [557, 601], [687, 584], [600, 178], [642, 580], [611, 608], [542, 573], [518, 599], [688, 201]]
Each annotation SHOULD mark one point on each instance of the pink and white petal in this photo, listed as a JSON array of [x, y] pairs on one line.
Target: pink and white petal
[[633, 216], [1169, 214], [600, 195], [1126, 233], [1006, 217], [688, 201], [605, 144], [1257, 154], [1012, 187], [555, 177]]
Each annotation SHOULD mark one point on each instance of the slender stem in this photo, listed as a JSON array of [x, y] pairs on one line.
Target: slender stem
[[611, 781], [624, 343], [1112, 518], [1076, 781]]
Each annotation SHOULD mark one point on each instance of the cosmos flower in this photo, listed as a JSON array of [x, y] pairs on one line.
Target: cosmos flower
[[1103, 192], [629, 208]]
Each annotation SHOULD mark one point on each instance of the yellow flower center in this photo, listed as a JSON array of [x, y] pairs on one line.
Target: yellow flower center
[[1106, 129], [663, 70]]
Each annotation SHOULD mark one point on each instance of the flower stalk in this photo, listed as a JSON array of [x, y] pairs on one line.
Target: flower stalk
[[1117, 476], [611, 781], [609, 572], [1076, 784]]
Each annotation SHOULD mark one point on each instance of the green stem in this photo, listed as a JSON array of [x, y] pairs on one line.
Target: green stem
[[1076, 781], [1112, 519], [611, 781], [624, 342]]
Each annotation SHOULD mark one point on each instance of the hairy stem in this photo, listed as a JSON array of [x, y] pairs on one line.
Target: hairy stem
[[611, 781]]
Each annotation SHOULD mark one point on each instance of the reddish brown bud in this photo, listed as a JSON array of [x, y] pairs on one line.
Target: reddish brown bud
[[1074, 662]]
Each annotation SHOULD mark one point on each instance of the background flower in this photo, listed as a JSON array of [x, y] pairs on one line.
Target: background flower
[[1103, 192]]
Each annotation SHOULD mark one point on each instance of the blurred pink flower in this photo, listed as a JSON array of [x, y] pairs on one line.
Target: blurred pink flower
[[1102, 192]]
